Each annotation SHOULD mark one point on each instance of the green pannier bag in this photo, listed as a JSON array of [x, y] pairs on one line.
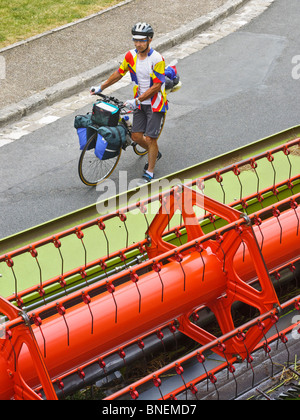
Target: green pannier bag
[[109, 141], [83, 121]]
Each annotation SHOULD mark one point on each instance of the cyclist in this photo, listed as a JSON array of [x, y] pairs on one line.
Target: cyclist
[[147, 71]]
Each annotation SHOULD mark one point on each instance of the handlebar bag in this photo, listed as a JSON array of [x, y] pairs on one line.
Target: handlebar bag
[[105, 114]]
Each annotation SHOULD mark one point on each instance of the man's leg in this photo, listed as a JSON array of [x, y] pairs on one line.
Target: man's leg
[[146, 129], [152, 153], [140, 139], [149, 144]]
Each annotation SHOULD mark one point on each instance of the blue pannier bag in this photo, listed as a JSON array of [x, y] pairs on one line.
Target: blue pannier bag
[[83, 125], [84, 134], [81, 132], [101, 145], [109, 141]]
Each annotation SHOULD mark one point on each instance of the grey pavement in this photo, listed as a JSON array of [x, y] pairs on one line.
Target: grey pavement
[[237, 88], [52, 66], [56, 102]]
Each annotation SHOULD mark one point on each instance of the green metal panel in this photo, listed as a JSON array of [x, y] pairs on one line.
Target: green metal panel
[[31, 271]]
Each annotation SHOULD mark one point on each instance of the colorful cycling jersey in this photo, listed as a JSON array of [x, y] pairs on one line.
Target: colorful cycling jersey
[[159, 101]]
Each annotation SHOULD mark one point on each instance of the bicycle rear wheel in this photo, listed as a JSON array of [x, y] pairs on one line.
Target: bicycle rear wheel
[[92, 170], [139, 150]]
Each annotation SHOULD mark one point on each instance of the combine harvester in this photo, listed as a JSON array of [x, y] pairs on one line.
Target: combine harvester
[[205, 260]]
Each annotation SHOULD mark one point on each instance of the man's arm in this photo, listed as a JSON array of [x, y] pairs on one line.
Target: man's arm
[[114, 78], [133, 103], [155, 88]]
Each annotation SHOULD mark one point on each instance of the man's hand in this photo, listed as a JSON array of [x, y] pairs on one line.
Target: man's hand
[[95, 89], [132, 104]]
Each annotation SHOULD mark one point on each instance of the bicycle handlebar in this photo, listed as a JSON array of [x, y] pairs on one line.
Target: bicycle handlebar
[[106, 98]]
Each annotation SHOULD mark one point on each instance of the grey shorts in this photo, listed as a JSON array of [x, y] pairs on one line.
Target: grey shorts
[[146, 121]]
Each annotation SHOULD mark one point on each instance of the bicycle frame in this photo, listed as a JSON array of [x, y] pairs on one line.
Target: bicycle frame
[[92, 171]]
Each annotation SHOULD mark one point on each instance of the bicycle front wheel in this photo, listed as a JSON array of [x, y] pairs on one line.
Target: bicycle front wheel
[[92, 170]]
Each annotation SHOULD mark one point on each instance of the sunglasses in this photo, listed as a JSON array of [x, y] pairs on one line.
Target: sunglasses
[[139, 40]]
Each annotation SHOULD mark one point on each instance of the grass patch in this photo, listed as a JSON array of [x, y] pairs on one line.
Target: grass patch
[[21, 19]]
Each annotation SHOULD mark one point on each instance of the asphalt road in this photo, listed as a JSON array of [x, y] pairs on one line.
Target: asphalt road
[[240, 89]]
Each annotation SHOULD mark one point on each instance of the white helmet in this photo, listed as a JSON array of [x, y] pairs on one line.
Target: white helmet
[[142, 30]]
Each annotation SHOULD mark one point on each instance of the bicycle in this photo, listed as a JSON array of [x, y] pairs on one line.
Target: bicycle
[[92, 170]]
